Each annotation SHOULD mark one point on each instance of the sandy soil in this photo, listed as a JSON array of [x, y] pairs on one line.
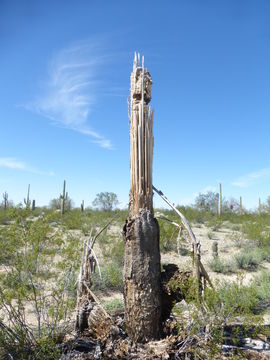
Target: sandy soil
[[226, 238]]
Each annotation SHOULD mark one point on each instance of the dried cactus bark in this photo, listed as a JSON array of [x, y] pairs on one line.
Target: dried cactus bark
[[142, 275]]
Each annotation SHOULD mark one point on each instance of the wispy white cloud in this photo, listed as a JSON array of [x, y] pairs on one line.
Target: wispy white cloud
[[69, 94], [252, 178], [14, 164]]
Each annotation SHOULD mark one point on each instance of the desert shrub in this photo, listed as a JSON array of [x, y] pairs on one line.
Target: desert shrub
[[168, 236], [220, 266], [38, 276], [18, 341], [224, 306], [253, 231], [265, 253], [257, 230], [261, 284], [210, 235], [195, 215], [215, 223], [112, 277], [114, 305], [236, 227], [237, 239], [117, 252], [238, 299], [184, 250], [73, 219], [6, 216], [249, 260]]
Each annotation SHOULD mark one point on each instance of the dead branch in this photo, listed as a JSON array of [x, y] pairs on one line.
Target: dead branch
[[90, 313], [200, 271]]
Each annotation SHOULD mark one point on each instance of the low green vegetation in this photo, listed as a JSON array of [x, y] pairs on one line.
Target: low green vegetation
[[114, 305], [221, 266], [40, 259]]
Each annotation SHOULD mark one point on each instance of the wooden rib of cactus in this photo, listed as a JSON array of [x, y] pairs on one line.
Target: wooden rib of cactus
[[141, 139]]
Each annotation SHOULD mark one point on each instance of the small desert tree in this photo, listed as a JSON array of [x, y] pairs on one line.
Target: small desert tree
[[207, 202], [105, 201], [55, 204]]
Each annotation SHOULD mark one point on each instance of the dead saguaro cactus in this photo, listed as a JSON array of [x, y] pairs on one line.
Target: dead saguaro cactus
[[90, 313], [142, 275], [63, 198]]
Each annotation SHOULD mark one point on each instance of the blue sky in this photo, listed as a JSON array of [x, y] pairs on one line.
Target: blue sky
[[65, 68]]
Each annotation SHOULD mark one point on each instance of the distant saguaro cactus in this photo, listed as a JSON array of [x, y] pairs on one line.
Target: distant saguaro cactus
[[82, 205], [33, 204], [63, 198], [27, 201], [220, 200], [241, 206], [5, 197]]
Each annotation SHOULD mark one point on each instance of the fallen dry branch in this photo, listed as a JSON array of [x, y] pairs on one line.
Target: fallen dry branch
[[200, 272], [90, 312]]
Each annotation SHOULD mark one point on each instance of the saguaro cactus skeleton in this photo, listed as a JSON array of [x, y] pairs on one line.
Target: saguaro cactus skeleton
[[142, 277]]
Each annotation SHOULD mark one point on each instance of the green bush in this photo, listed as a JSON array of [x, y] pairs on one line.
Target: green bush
[[249, 260], [238, 299], [30, 252], [184, 250], [236, 227], [237, 238], [220, 266], [168, 236], [257, 230], [114, 250], [262, 285], [112, 277], [265, 253], [210, 235], [215, 223], [222, 306], [114, 305]]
